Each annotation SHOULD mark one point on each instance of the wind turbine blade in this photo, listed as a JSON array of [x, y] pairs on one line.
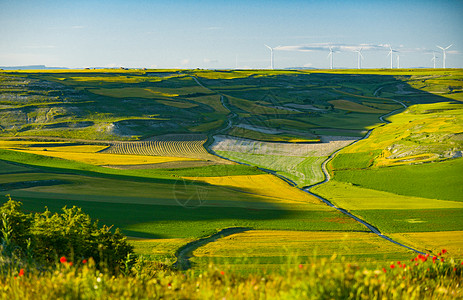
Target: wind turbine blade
[[268, 47], [448, 47], [440, 47]]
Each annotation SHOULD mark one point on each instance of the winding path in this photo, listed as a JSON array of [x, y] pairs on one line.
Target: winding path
[[184, 253]]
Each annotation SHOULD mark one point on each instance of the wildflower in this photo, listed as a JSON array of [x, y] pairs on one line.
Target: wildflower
[[384, 270], [434, 259], [442, 259], [427, 255], [416, 264], [462, 262], [21, 272], [70, 263], [63, 259], [169, 285], [444, 251], [439, 254], [301, 266], [84, 261], [454, 269], [398, 263], [404, 265], [392, 266], [222, 273]]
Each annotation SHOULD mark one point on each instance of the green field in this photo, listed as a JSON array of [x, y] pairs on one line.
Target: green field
[[404, 178]]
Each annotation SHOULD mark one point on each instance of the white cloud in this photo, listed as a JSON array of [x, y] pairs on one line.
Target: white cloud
[[185, 61]]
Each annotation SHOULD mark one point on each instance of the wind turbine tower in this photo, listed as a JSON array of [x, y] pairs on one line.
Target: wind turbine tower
[[390, 54], [444, 54], [398, 61], [271, 56], [330, 55], [359, 58], [433, 59]]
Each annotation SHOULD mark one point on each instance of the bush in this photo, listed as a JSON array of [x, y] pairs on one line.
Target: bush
[[71, 233]]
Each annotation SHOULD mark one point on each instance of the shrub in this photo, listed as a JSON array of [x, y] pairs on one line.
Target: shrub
[[71, 233]]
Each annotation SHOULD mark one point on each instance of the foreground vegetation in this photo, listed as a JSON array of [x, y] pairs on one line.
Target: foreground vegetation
[[421, 278]]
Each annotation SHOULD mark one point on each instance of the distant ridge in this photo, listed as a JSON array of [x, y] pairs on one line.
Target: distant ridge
[[31, 67]]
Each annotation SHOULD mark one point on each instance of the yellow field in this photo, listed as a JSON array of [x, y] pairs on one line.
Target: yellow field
[[452, 241], [271, 243], [157, 247], [352, 106], [131, 92], [266, 185], [102, 159], [87, 154]]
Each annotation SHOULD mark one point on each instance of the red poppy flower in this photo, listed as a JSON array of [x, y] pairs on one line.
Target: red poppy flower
[[454, 269], [444, 251], [398, 263], [84, 261], [392, 266], [384, 270], [301, 266], [21, 272], [63, 259], [222, 273], [439, 254], [70, 263], [442, 259]]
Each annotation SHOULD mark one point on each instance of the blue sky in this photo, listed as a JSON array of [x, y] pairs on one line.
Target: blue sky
[[225, 34]]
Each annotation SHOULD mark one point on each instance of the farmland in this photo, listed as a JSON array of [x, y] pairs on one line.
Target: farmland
[[177, 155]]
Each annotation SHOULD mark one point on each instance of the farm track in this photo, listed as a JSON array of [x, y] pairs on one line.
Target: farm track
[[185, 253], [328, 177], [183, 258]]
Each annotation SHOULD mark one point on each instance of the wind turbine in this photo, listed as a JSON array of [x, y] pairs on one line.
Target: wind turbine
[[433, 59], [390, 54], [271, 56], [359, 58], [398, 61], [444, 56], [330, 55]]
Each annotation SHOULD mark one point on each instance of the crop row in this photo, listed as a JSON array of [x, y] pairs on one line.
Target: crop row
[[159, 148]]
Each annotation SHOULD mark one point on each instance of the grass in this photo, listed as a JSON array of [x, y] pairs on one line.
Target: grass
[[317, 279], [414, 220], [161, 250], [265, 185], [302, 170], [353, 197], [438, 180], [435, 241], [175, 221], [272, 246]]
